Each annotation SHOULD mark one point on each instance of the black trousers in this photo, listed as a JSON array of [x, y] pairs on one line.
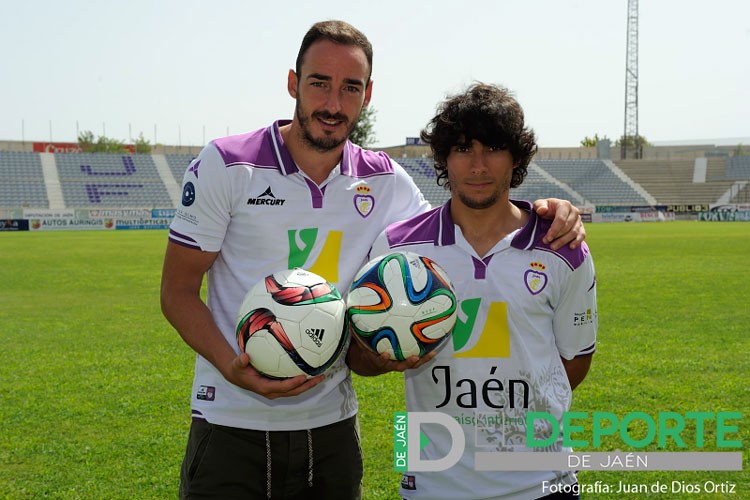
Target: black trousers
[[227, 463]]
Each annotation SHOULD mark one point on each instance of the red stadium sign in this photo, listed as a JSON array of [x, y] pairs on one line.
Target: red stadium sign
[[57, 147], [69, 147]]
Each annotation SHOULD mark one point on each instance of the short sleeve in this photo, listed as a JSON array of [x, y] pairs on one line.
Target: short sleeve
[[576, 319], [410, 200], [204, 213]]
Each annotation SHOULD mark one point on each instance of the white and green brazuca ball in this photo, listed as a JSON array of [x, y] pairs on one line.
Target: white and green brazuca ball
[[403, 304]]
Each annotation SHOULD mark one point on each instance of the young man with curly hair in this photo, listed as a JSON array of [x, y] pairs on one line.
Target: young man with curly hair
[[528, 319]]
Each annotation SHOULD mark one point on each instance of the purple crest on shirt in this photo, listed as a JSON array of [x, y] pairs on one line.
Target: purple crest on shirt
[[535, 279], [364, 202]]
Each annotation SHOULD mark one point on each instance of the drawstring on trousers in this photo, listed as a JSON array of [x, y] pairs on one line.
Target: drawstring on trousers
[[309, 462], [268, 464], [309, 459]]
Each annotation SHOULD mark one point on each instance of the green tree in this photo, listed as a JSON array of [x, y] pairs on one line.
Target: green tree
[[142, 145], [86, 140], [109, 145], [104, 144], [591, 142], [629, 141], [364, 132]]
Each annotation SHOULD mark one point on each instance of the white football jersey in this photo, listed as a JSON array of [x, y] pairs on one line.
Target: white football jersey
[[521, 307], [245, 198]]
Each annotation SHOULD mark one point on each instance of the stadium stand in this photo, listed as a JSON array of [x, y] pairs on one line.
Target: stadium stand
[[424, 176], [594, 180], [178, 163], [535, 186], [738, 167], [539, 184], [99, 180], [110, 180], [672, 182], [22, 180]]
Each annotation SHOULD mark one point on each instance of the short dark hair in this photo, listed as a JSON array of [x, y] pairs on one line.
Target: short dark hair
[[339, 32], [486, 113]]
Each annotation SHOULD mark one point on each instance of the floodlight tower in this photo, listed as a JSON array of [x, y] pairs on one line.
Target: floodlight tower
[[631, 140]]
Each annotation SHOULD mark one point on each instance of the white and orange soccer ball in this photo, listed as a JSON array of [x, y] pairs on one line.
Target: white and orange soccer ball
[[403, 304]]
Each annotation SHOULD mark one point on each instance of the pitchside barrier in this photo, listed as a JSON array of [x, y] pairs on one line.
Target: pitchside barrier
[[42, 219], [86, 219], [663, 213]]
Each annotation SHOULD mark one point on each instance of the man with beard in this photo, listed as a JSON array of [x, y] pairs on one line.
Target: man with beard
[[289, 195]]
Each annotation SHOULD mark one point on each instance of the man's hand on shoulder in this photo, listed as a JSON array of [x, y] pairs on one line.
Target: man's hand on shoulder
[[567, 226]]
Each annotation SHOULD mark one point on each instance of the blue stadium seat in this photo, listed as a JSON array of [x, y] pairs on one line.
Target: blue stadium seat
[[22, 180], [593, 180]]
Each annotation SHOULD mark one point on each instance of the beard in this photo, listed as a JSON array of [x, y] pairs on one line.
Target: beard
[[327, 142], [478, 204], [502, 191]]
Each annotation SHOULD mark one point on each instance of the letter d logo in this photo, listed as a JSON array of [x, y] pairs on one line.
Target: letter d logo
[[458, 441]]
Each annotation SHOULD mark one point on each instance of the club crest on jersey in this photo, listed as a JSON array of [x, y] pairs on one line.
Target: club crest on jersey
[[535, 278], [363, 201]]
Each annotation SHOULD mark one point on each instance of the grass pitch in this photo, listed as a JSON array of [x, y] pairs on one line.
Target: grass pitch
[[94, 400]]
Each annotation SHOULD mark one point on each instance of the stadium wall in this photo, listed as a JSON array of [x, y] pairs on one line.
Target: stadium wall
[[649, 153], [125, 219], [580, 153], [70, 147], [25, 219]]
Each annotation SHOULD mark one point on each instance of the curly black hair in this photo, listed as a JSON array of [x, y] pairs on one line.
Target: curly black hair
[[486, 113]]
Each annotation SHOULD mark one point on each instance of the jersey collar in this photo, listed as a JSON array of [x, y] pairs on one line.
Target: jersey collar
[[284, 159], [523, 240]]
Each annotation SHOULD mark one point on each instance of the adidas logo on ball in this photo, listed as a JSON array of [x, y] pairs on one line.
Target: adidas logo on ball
[[316, 334]]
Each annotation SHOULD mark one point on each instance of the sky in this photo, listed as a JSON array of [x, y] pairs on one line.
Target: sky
[[185, 72]]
